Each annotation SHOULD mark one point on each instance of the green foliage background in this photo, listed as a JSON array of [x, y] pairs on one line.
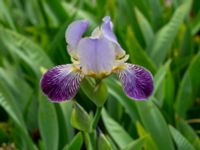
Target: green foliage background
[[161, 35]]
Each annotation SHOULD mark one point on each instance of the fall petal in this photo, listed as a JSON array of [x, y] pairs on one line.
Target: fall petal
[[61, 83], [137, 81]]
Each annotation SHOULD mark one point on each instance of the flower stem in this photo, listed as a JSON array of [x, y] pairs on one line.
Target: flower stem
[[96, 118]]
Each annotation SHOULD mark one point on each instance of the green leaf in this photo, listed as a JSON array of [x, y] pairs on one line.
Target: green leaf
[[76, 142], [35, 17], [97, 92], [25, 49], [62, 126], [195, 24], [9, 103], [136, 145], [189, 87], [80, 13], [48, 124], [145, 27], [103, 143], [155, 124], [117, 132], [181, 142], [23, 139], [143, 134], [15, 83], [167, 34], [156, 12], [117, 92], [137, 54], [67, 111], [160, 75], [169, 92], [57, 8], [90, 142], [5, 15], [80, 118], [189, 133]]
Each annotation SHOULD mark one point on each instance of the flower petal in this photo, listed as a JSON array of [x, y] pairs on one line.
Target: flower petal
[[74, 33], [96, 56], [61, 83], [137, 81], [106, 29]]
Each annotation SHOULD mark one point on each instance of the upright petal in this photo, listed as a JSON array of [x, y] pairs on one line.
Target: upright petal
[[136, 81], [106, 28], [107, 32], [96, 56], [74, 33], [61, 83]]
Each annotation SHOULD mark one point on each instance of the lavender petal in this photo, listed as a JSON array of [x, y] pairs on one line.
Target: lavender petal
[[137, 81], [96, 55], [107, 31], [61, 83], [74, 33]]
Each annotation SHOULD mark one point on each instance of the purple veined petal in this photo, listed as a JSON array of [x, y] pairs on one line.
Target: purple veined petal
[[74, 33], [96, 56], [61, 83], [107, 32], [137, 81]]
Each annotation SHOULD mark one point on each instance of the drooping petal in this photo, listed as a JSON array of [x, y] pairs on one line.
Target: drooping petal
[[107, 32], [74, 33], [96, 56], [61, 83], [136, 81]]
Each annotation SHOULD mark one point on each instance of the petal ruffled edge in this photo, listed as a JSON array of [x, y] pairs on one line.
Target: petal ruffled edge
[[137, 81], [61, 83]]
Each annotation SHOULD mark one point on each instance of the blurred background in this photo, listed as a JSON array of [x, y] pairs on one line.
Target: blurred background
[[161, 35]]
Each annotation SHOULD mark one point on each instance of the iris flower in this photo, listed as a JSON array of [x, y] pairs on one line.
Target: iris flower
[[96, 56]]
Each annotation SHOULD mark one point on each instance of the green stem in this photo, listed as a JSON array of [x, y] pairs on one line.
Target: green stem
[[96, 118]]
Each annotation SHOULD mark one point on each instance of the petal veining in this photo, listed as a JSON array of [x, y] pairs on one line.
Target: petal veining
[[61, 83], [96, 56], [137, 81], [74, 33]]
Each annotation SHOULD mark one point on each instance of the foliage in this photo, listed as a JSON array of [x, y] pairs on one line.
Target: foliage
[[161, 35]]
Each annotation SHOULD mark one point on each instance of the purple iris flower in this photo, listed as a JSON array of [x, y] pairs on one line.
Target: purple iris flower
[[96, 56]]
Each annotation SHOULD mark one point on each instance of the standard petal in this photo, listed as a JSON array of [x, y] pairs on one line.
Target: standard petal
[[96, 56], [74, 33], [61, 83], [107, 32], [106, 28], [136, 81]]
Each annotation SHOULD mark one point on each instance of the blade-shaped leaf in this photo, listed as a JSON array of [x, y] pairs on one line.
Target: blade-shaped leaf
[[117, 92], [155, 124], [25, 49], [76, 143], [189, 133], [189, 87], [119, 135], [145, 27], [136, 145], [181, 142], [48, 124], [167, 34]]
